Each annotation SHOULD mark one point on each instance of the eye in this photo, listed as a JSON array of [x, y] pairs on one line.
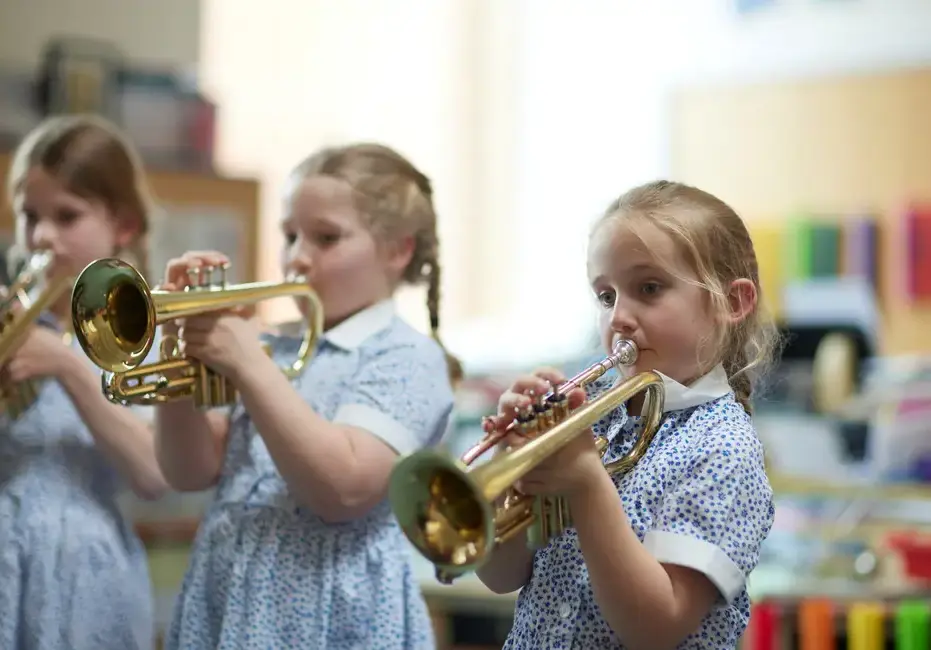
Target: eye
[[290, 238], [650, 289], [324, 240], [606, 299], [30, 216], [66, 217]]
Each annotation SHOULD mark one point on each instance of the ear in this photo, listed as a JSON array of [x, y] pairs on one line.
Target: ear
[[126, 230], [742, 297], [399, 253]]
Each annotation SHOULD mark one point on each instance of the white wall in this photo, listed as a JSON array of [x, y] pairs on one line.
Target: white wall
[[163, 32], [593, 83], [420, 75]]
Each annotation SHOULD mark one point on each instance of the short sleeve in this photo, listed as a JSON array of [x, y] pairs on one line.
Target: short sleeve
[[717, 517], [401, 395]]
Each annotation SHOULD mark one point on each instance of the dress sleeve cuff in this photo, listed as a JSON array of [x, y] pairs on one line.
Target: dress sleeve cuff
[[699, 555], [383, 427]]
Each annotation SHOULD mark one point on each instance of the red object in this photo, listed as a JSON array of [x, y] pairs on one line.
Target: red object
[[764, 627], [918, 246], [916, 554]]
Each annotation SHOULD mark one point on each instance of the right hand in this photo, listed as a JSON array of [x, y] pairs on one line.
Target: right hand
[[176, 276], [176, 270], [521, 395]]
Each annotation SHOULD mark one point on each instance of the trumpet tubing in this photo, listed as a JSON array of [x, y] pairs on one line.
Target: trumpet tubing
[[19, 311], [449, 510], [115, 316]]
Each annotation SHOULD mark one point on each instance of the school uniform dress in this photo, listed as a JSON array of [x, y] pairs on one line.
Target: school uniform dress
[[267, 572], [699, 498], [73, 574]]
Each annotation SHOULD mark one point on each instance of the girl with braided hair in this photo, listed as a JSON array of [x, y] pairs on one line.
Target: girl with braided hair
[[659, 557], [300, 547]]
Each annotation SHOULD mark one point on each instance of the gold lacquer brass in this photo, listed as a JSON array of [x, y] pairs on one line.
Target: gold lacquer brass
[[31, 293], [455, 514], [115, 314]]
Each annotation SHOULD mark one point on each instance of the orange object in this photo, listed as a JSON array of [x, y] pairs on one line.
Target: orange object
[[816, 626]]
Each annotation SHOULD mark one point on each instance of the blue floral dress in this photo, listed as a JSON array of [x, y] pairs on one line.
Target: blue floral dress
[[268, 573], [699, 498], [73, 574]]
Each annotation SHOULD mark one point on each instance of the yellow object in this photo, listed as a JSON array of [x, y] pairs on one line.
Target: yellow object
[[115, 314], [769, 242], [453, 512], [865, 627], [30, 294]]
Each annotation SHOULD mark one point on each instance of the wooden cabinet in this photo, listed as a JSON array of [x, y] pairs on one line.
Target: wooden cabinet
[[194, 212]]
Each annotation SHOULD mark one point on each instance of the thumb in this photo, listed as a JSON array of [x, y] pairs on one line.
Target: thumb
[[576, 398]]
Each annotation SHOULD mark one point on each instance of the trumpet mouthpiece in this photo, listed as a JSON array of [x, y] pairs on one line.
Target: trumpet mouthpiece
[[625, 353]]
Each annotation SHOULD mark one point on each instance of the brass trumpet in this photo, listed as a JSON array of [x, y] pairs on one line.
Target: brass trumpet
[[454, 514], [20, 309], [115, 314]]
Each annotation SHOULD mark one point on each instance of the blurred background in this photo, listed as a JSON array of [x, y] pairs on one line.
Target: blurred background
[[811, 117]]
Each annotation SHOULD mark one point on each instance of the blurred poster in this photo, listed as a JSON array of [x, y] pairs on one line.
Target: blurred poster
[[205, 228]]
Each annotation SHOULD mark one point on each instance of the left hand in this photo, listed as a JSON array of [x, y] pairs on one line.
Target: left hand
[[41, 354], [570, 469], [227, 341], [567, 472]]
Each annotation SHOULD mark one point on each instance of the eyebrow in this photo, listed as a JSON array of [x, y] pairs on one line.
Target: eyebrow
[[636, 268]]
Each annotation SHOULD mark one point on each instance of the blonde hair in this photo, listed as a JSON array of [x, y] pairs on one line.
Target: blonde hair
[[92, 159], [718, 247], [396, 200]]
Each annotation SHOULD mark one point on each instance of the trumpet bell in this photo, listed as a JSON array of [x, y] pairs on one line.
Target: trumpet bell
[[113, 314], [444, 512]]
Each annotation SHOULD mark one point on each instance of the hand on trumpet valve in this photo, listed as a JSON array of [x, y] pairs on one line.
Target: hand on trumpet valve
[[566, 471], [227, 341], [40, 353]]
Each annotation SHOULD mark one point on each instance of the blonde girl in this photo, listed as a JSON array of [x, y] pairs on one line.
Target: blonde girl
[[659, 558], [74, 573], [299, 548]]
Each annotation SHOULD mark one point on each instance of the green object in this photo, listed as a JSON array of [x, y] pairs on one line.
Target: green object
[[798, 248], [912, 625], [825, 238]]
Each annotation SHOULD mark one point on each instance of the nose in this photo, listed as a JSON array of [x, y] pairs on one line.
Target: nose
[[298, 261], [623, 320], [43, 235]]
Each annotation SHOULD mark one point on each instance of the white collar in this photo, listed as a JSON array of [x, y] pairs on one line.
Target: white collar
[[356, 329], [706, 389]]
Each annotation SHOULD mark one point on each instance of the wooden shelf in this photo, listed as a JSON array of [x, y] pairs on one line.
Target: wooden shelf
[[786, 485]]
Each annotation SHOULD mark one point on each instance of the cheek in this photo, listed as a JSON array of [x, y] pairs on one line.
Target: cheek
[[604, 327], [88, 239]]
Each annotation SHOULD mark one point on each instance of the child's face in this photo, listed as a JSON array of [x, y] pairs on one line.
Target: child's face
[[326, 241], [76, 230], [648, 293]]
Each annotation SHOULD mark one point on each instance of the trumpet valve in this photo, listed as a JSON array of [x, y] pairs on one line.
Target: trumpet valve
[[527, 424], [559, 406]]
